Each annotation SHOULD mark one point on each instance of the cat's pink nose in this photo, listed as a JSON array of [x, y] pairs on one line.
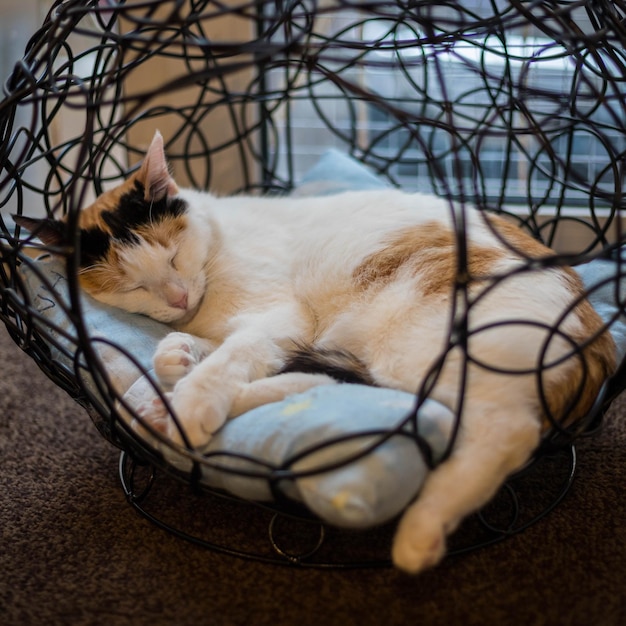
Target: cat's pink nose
[[180, 303], [176, 295]]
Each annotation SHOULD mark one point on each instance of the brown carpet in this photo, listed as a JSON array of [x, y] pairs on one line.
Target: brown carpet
[[74, 552]]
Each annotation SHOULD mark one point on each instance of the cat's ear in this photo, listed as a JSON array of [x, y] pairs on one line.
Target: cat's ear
[[154, 173], [51, 232]]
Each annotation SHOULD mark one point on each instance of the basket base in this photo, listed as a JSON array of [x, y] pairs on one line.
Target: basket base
[[278, 535]]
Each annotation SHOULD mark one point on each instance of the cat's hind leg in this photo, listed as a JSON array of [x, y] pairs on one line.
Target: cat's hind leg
[[275, 389], [177, 355], [154, 413], [494, 442]]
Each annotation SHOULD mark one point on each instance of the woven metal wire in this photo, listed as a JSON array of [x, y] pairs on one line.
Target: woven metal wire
[[517, 107]]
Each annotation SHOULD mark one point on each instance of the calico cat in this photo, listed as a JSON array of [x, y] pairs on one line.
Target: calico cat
[[267, 295]]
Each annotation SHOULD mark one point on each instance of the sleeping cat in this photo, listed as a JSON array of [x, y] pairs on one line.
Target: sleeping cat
[[259, 289]]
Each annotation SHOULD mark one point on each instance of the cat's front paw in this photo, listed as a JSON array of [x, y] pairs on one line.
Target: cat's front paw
[[203, 406], [195, 423], [154, 414], [419, 543], [175, 357]]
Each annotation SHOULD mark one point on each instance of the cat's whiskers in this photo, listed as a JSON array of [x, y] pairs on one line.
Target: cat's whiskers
[[107, 280], [89, 268]]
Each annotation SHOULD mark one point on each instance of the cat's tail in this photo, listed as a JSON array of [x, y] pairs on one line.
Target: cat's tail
[[341, 365]]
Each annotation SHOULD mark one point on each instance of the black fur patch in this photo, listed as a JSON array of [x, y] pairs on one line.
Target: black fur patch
[[94, 245], [133, 211], [339, 364]]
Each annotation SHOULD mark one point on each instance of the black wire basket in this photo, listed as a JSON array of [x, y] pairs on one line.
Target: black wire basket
[[517, 107]]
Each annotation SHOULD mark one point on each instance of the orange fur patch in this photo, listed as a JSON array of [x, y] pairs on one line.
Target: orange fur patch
[[164, 232], [103, 277], [428, 250], [517, 240]]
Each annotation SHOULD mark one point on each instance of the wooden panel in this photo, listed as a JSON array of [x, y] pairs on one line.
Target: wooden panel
[[215, 123]]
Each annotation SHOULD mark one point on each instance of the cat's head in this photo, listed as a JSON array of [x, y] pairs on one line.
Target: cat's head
[[139, 250]]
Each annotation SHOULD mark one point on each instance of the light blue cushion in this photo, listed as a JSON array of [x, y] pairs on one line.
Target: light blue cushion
[[600, 278], [336, 172], [364, 492]]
